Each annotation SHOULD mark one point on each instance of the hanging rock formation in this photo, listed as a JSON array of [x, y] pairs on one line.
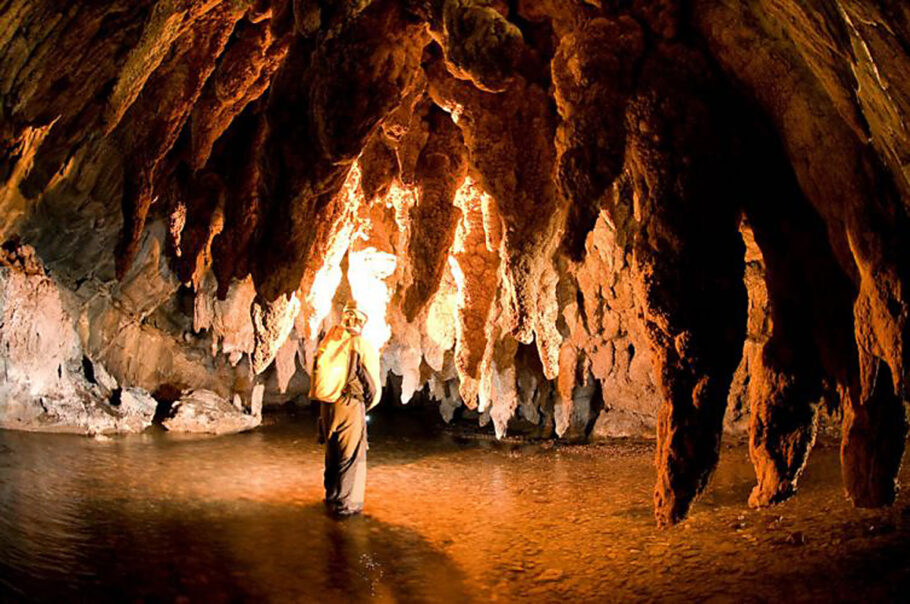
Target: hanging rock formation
[[591, 217]]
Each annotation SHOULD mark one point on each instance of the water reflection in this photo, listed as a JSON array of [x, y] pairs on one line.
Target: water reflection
[[154, 517], [257, 551], [161, 517]]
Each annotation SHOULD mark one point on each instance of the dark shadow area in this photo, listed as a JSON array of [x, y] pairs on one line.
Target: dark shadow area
[[398, 434], [169, 550]]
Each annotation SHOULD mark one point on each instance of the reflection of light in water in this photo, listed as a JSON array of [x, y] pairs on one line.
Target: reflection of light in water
[[367, 271], [241, 518]]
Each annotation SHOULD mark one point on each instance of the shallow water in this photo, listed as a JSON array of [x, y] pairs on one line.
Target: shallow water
[[159, 517]]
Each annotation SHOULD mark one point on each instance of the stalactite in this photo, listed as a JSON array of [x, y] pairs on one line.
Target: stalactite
[[441, 169]]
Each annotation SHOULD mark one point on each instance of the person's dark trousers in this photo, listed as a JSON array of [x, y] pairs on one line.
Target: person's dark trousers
[[345, 432]]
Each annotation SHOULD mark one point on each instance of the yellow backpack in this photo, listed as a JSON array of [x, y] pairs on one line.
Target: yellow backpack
[[330, 372]]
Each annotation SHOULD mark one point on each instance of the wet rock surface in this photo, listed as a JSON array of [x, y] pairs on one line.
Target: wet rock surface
[[647, 218], [203, 411], [50, 384]]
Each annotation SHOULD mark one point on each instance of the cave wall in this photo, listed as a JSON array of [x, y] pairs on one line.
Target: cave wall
[[591, 218]]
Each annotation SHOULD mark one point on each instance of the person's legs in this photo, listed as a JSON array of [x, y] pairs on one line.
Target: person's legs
[[331, 473], [352, 460]]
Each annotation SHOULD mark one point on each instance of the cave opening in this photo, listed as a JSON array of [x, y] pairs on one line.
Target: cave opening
[[655, 246]]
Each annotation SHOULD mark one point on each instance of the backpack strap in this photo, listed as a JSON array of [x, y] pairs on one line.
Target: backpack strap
[[347, 378]]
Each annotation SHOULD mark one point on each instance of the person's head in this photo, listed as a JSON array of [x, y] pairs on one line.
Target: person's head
[[352, 318]]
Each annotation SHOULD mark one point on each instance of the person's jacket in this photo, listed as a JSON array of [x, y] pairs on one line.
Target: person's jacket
[[345, 364]]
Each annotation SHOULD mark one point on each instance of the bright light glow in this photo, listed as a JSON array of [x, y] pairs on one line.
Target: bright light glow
[[401, 198], [458, 276], [368, 270], [457, 110], [324, 286], [327, 278]]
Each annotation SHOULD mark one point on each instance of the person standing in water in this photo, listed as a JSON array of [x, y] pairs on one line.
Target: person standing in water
[[346, 385]]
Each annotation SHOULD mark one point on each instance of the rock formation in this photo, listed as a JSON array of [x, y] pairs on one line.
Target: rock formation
[[203, 411], [48, 383], [596, 217]]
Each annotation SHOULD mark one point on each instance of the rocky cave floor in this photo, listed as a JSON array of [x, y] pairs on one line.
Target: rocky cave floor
[[163, 515]]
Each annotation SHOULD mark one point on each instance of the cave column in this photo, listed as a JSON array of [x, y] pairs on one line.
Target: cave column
[[786, 372], [873, 439], [782, 429], [873, 436], [875, 414], [681, 168]]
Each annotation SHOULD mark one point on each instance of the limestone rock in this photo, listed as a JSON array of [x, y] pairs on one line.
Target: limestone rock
[[47, 382], [203, 411]]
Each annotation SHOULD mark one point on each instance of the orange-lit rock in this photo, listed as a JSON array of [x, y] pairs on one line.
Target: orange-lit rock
[[815, 107], [150, 127], [475, 267], [593, 72], [441, 169], [380, 50]]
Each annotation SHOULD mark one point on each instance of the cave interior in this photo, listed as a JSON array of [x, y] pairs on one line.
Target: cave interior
[[578, 219]]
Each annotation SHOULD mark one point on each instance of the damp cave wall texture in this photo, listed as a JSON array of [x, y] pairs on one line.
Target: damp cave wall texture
[[599, 217]]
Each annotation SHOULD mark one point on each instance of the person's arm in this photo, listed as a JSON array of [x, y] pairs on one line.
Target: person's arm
[[366, 368]]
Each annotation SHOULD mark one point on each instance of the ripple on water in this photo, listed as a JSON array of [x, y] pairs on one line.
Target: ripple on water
[[153, 516]]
